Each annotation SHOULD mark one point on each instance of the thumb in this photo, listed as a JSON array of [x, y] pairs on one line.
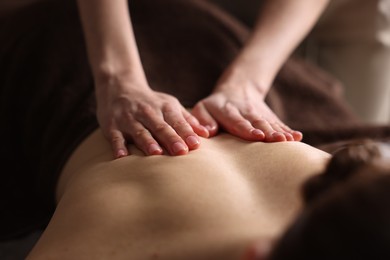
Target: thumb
[[205, 118]]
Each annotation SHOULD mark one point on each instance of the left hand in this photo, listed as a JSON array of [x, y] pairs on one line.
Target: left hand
[[242, 112]]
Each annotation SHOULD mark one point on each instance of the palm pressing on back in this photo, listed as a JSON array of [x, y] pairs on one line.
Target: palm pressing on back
[[128, 110]]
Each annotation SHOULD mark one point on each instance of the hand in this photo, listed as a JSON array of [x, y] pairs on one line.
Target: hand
[[243, 113], [153, 121]]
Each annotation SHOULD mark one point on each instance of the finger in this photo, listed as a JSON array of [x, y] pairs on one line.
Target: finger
[[143, 139], [285, 136], [164, 133], [194, 123], [236, 124], [285, 131], [177, 121], [118, 144], [270, 134], [201, 113], [297, 135]]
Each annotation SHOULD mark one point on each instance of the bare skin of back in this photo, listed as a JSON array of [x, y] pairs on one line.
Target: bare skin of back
[[209, 204]]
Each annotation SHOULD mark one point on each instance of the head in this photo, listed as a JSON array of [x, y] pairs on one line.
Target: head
[[346, 213]]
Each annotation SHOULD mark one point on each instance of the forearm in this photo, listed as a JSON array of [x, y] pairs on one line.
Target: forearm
[[110, 40], [280, 27]]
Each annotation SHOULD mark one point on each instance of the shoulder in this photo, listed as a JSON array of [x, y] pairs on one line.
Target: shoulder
[[282, 160]]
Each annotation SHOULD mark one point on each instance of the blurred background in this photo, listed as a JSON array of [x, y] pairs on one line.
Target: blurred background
[[351, 41]]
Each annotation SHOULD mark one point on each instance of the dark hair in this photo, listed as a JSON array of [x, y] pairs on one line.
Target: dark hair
[[347, 211]]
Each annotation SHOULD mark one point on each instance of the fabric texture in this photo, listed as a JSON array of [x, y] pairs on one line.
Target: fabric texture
[[47, 97]]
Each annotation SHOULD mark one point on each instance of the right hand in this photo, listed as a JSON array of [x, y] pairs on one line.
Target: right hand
[[153, 121]]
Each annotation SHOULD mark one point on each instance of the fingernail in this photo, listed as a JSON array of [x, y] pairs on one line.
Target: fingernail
[[297, 132], [204, 128], [192, 140], [210, 127], [154, 149], [257, 132], [289, 137], [206, 132], [298, 135], [120, 153], [178, 147], [277, 135]]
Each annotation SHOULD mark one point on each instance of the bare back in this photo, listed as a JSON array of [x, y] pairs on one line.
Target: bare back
[[228, 192]]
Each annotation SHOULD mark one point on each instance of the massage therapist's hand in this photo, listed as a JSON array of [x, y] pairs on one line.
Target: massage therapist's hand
[[130, 111], [237, 104]]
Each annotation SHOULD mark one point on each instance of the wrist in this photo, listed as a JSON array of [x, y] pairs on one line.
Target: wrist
[[243, 75], [107, 73]]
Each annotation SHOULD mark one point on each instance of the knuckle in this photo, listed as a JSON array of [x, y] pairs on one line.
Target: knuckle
[[171, 109], [275, 125], [250, 109], [128, 116], [180, 124], [238, 122], [174, 139], [188, 117], [142, 133], [162, 127], [259, 121], [229, 108], [241, 125], [144, 109], [168, 108], [116, 140]]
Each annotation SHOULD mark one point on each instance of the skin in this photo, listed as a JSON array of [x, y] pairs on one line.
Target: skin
[[130, 111], [213, 203]]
